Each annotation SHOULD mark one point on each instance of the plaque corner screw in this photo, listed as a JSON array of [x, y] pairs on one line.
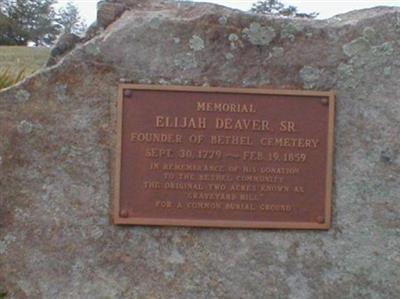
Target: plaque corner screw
[[127, 92], [124, 213], [320, 219], [324, 101]]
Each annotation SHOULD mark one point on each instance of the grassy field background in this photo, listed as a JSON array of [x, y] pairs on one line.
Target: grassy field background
[[28, 59]]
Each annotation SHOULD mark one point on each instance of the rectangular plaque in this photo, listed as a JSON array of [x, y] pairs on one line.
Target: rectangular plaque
[[224, 157]]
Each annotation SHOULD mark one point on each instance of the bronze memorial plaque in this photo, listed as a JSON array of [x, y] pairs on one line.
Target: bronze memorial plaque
[[224, 157]]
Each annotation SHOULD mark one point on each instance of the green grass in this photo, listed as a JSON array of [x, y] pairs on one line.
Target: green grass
[[18, 62], [9, 78], [23, 58]]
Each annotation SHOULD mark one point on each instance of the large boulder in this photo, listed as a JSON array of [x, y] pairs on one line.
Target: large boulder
[[57, 146]]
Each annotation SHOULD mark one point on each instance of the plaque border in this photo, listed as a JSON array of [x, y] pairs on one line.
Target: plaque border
[[325, 225]]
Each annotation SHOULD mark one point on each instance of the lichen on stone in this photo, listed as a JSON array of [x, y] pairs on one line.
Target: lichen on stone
[[385, 49], [234, 40], [185, 61], [387, 71], [397, 22], [370, 35], [222, 20], [288, 32], [176, 81], [22, 95], [155, 22], [61, 92], [25, 127], [346, 76], [259, 35], [8, 239], [176, 257], [267, 58], [229, 55], [356, 46], [278, 52], [345, 70], [92, 49], [145, 81], [196, 43], [233, 37], [310, 76], [162, 81], [96, 233]]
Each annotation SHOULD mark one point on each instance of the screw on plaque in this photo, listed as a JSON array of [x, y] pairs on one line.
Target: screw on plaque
[[128, 92], [325, 101], [124, 214], [320, 219]]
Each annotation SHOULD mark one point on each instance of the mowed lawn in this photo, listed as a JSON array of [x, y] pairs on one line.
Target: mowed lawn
[[28, 59]]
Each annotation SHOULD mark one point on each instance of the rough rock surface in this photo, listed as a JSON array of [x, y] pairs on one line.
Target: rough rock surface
[[65, 43], [108, 11], [57, 149]]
